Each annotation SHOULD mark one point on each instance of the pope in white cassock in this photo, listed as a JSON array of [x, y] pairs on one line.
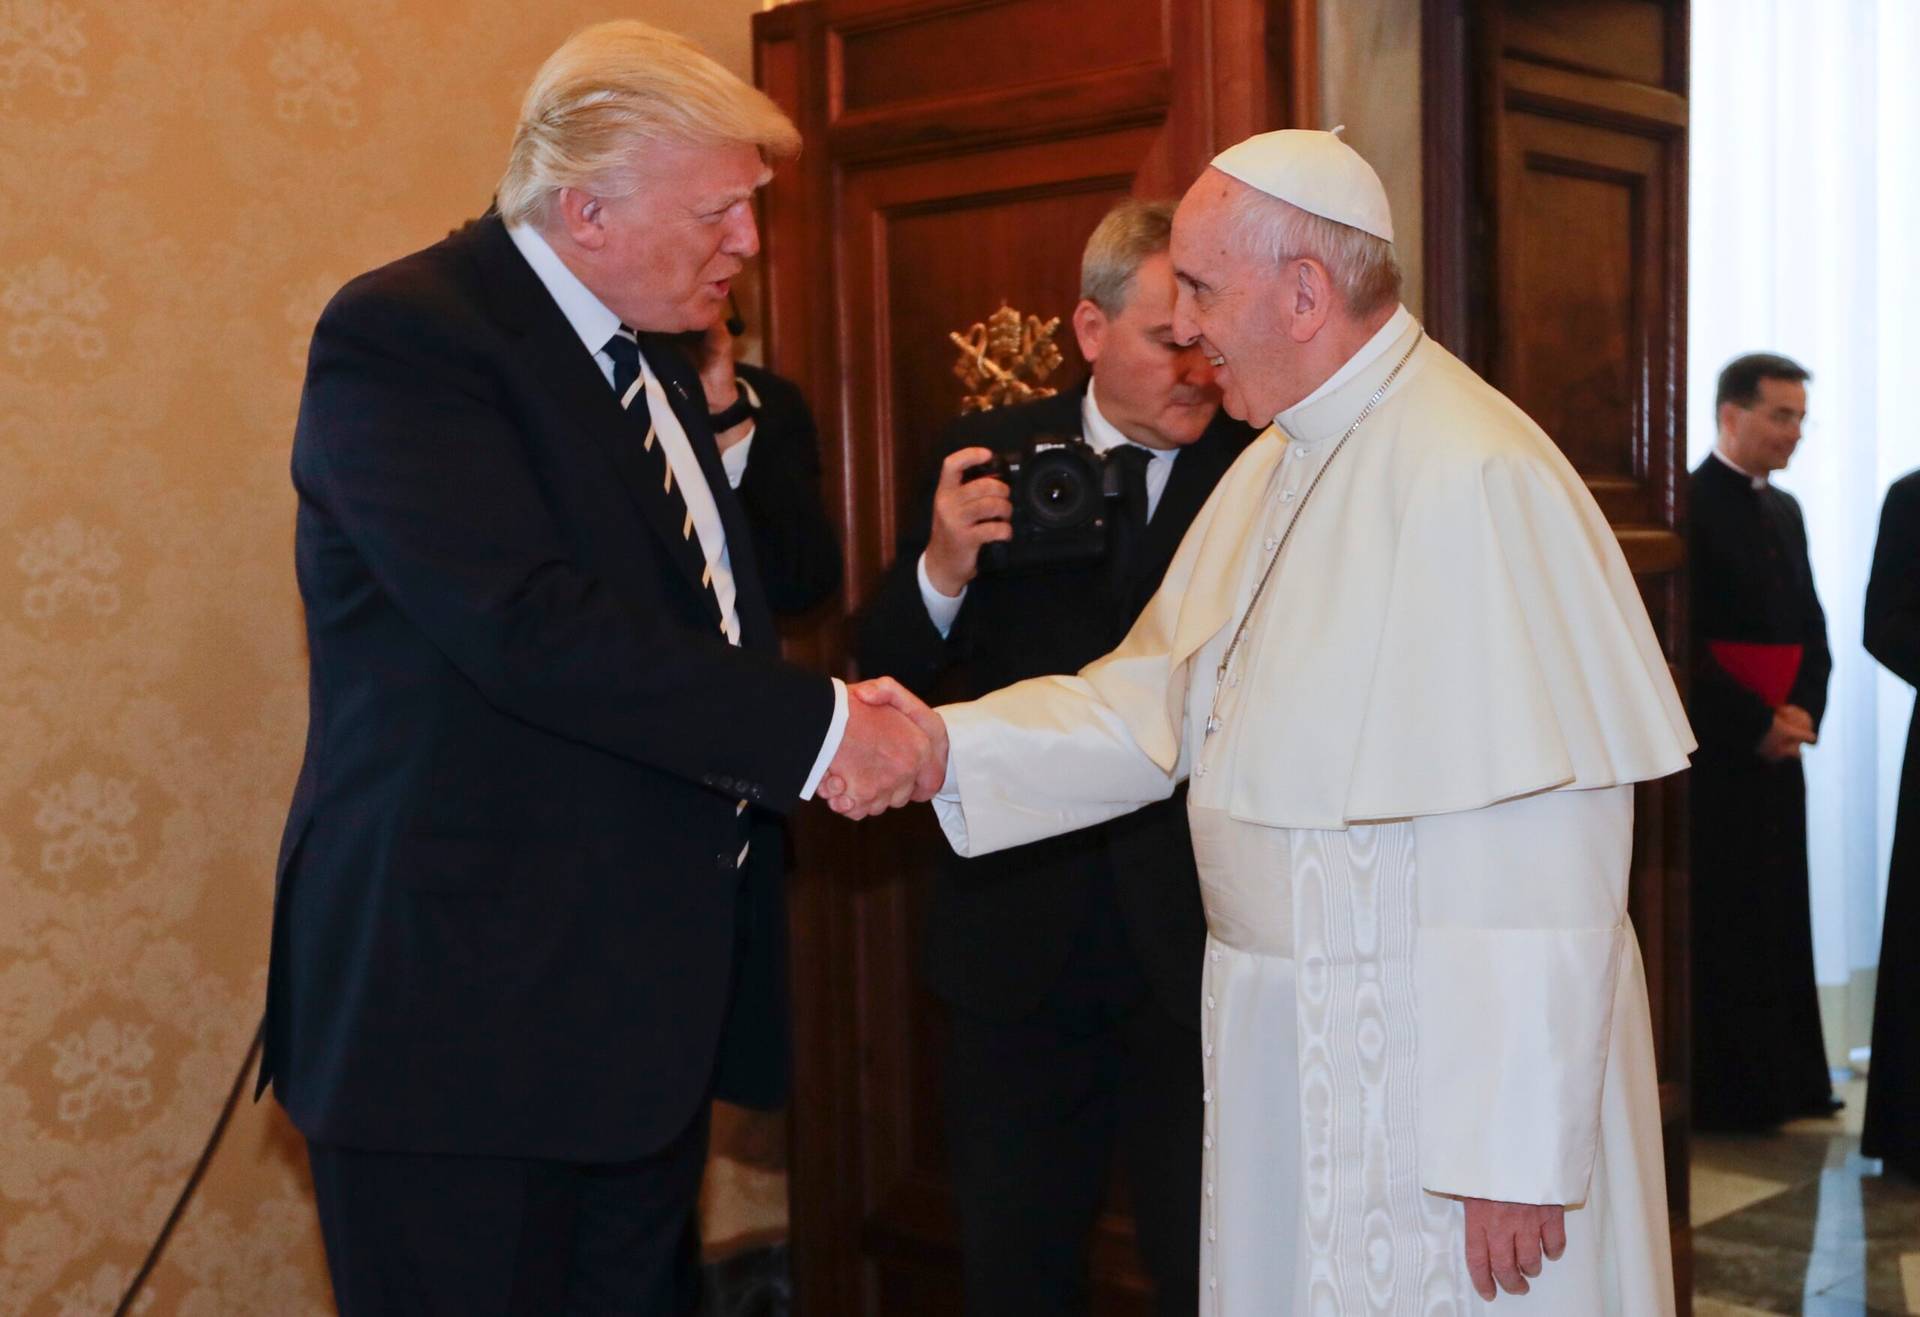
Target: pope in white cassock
[[1403, 665]]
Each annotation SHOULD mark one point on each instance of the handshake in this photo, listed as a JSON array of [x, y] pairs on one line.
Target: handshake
[[894, 750]]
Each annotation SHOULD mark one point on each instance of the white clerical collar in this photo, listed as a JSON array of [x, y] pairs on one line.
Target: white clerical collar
[[1758, 482], [1103, 436], [588, 315], [1370, 352]]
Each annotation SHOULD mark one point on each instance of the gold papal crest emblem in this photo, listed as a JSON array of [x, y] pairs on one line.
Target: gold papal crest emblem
[[1004, 359]]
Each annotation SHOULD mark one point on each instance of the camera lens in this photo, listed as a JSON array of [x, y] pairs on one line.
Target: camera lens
[[1061, 491]]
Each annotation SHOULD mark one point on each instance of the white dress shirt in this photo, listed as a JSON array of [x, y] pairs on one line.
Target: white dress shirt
[[1102, 436], [595, 323]]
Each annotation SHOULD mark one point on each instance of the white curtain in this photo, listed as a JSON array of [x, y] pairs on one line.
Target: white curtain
[[1805, 214]]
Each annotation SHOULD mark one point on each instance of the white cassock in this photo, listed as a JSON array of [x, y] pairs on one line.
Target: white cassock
[[1413, 826]]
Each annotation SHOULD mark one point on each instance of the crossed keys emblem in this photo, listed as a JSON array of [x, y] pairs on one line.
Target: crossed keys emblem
[[1004, 359]]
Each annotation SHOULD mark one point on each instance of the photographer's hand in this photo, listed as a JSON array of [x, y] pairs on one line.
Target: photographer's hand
[[966, 515]]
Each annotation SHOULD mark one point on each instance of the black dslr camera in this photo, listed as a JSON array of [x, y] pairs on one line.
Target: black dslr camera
[[1063, 491]]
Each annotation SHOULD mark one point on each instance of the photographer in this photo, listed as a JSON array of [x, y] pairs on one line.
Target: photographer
[[1071, 966]]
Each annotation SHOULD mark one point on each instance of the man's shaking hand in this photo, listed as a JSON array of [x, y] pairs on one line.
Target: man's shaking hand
[[894, 751]]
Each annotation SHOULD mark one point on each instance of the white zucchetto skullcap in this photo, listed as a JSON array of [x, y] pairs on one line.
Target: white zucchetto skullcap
[[1315, 171]]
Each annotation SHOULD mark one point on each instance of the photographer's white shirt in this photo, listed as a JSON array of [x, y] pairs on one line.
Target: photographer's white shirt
[[1101, 436]]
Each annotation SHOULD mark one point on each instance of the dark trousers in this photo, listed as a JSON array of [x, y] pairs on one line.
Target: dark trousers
[[1037, 1109], [414, 1233]]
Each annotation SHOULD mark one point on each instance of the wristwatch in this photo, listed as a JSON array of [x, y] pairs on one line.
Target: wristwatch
[[743, 408]]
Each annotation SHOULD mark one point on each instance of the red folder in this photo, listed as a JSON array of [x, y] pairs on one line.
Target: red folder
[[1766, 670]]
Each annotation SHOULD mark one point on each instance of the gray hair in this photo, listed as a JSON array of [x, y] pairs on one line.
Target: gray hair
[[1130, 233], [613, 87], [1362, 266]]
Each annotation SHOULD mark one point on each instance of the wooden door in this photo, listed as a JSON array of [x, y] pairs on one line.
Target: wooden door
[[1556, 167], [958, 153]]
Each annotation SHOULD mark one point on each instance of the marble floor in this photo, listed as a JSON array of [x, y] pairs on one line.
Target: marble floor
[[1797, 1221]]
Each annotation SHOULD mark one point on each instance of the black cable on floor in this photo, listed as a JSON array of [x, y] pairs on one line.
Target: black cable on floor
[[199, 1171]]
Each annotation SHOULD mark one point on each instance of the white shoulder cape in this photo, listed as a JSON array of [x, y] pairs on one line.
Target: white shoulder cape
[[1453, 625]]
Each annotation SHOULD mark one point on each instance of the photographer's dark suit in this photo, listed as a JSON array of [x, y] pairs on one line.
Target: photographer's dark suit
[[512, 933], [1072, 965]]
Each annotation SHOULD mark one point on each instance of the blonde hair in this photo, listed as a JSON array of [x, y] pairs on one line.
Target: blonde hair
[[1363, 268], [1130, 233], [609, 90]]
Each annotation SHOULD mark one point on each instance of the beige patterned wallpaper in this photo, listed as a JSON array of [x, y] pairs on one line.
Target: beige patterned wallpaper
[[182, 186]]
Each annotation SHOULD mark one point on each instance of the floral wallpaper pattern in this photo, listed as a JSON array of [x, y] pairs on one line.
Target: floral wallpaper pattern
[[181, 189]]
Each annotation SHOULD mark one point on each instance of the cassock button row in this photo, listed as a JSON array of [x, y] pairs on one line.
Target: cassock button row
[[1209, 1001], [1214, 954], [1271, 543], [1206, 1140], [1288, 495], [1207, 1096], [1209, 1188], [1210, 1234], [1206, 1049]]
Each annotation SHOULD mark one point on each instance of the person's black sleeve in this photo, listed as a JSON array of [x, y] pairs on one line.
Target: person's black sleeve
[[895, 637], [1816, 659]]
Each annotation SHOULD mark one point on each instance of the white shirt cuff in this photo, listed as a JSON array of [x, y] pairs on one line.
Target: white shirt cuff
[[950, 811], [836, 730], [941, 609], [734, 460]]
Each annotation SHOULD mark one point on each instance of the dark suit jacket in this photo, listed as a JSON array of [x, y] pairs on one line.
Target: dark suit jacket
[[794, 544], [1001, 926], [508, 906]]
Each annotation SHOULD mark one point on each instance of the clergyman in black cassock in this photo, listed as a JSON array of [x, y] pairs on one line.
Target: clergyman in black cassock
[[1758, 1055], [1892, 635]]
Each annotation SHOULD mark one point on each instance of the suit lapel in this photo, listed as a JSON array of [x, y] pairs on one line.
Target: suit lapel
[[1194, 475], [1195, 472], [555, 355]]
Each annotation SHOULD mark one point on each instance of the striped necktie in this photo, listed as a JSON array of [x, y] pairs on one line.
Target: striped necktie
[[630, 386]]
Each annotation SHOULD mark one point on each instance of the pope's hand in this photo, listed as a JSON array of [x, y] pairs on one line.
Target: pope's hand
[[885, 695], [1505, 1242]]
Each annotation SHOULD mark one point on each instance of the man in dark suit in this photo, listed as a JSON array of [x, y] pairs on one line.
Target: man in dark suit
[[1071, 966], [528, 920], [1760, 667]]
